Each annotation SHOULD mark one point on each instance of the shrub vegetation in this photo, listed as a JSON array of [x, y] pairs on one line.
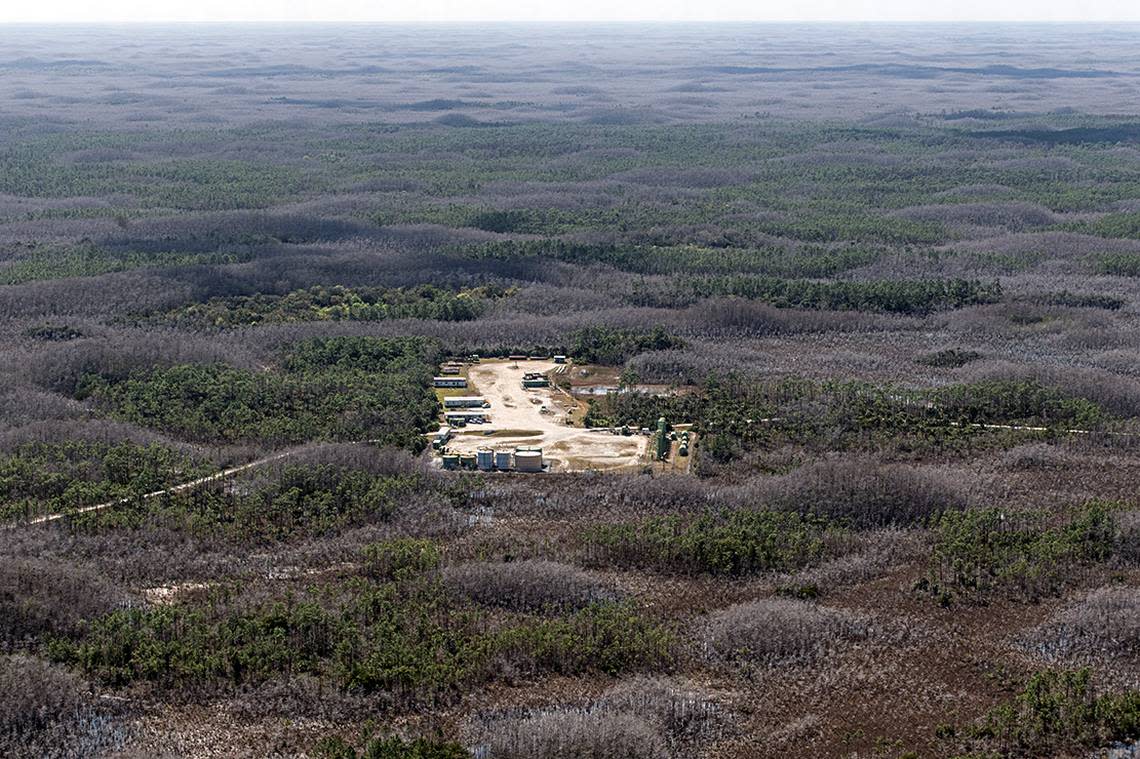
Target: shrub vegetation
[[344, 388], [403, 639], [991, 551]]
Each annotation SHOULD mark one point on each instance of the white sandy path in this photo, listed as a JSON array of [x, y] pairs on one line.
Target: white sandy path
[[222, 475], [515, 408]]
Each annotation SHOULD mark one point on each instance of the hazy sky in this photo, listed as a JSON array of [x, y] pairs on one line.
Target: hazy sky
[[569, 10]]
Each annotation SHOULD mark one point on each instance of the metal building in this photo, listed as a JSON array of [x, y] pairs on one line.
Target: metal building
[[464, 401]]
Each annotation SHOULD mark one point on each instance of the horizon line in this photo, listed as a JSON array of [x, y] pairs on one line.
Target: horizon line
[[552, 22]]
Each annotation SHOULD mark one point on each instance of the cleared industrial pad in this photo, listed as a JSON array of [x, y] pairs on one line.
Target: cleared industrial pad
[[535, 417]]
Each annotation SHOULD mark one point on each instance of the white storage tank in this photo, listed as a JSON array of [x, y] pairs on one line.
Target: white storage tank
[[502, 459], [485, 459], [528, 459]]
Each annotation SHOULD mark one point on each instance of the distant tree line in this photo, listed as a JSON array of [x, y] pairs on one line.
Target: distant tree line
[[735, 415], [887, 295], [336, 304]]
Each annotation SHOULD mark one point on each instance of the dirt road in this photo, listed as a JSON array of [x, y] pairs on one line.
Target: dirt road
[[216, 476], [536, 416], [517, 418]]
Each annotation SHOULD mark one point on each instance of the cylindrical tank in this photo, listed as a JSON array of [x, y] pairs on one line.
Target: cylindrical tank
[[662, 438], [528, 460], [450, 461], [683, 450], [485, 459], [467, 460], [502, 459]]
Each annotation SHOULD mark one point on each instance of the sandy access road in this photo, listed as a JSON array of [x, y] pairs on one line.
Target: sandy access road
[[206, 480], [518, 418]]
